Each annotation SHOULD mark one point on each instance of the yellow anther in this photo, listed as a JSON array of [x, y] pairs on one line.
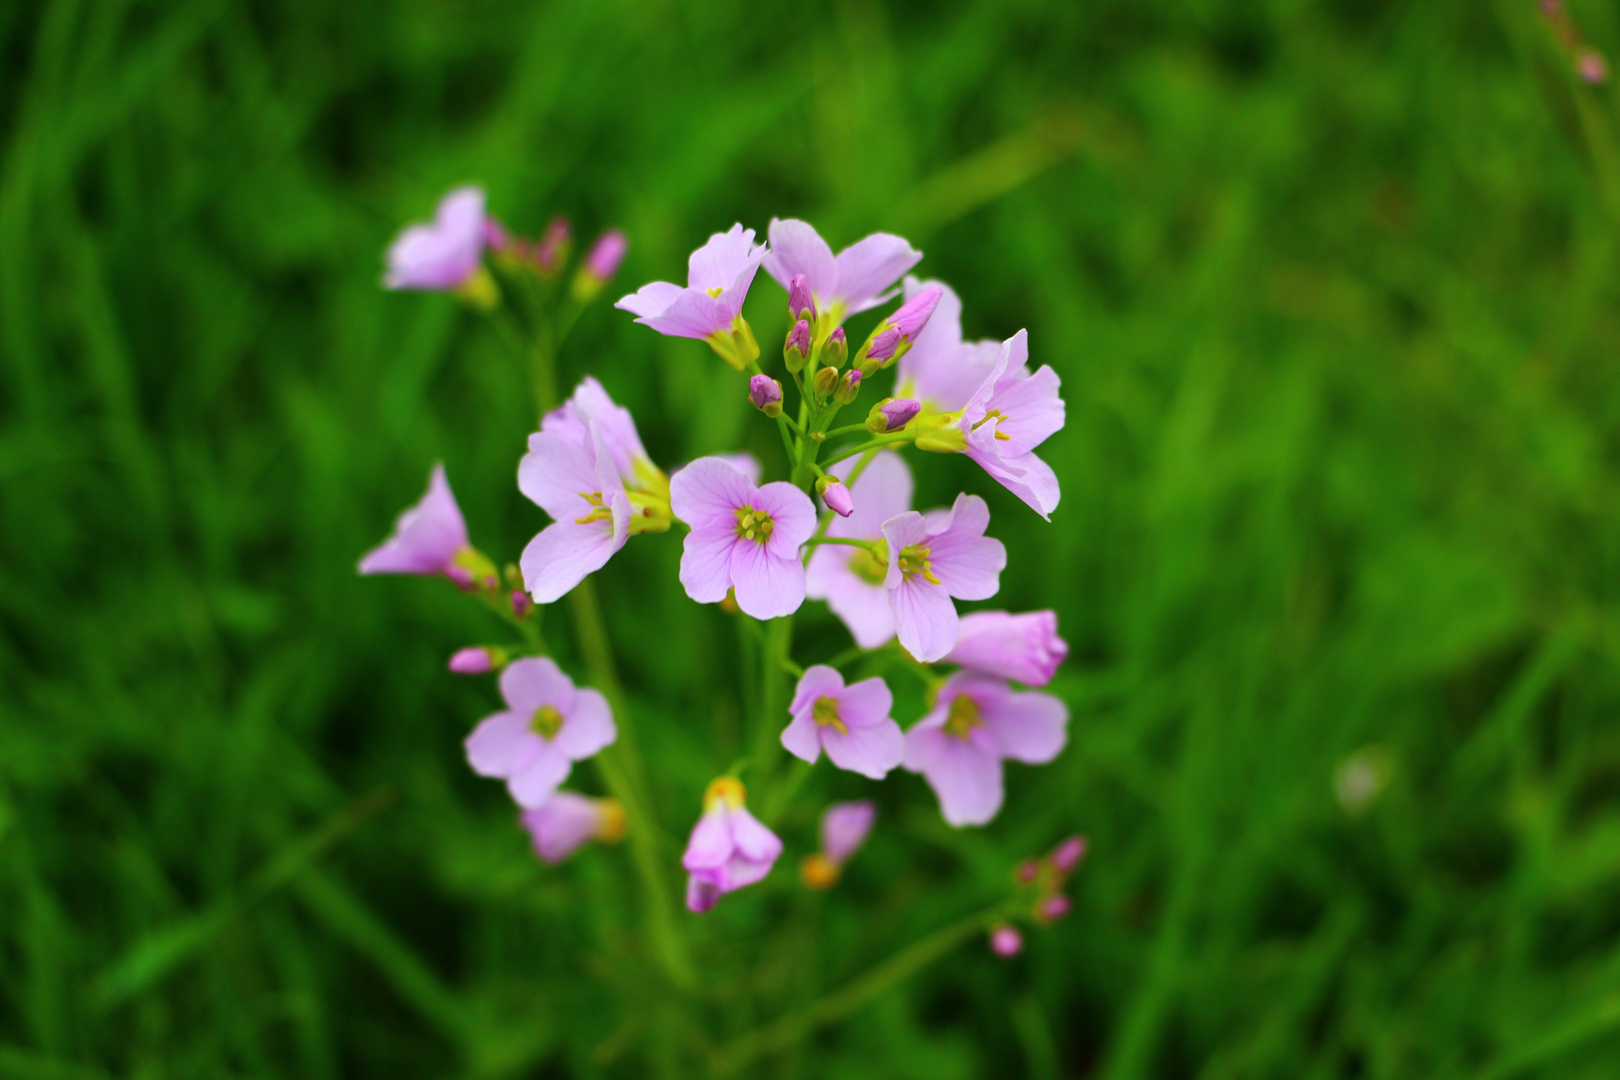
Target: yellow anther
[[825, 713], [755, 525], [546, 721], [724, 790], [963, 717]]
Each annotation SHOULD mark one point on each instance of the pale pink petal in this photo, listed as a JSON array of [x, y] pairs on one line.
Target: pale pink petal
[[868, 267], [538, 780], [718, 262], [866, 703], [818, 681], [871, 750], [651, 300], [864, 608], [588, 728], [767, 587], [533, 681], [742, 461], [844, 828], [692, 315], [1025, 647], [968, 563], [793, 517], [443, 254], [902, 531], [710, 844], [562, 825], [1027, 477], [796, 248], [502, 744], [741, 871], [564, 554], [701, 894], [1031, 411], [1028, 727], [882, 490], [754, 841], [802, 738], [730, 301], [426, 537], [557, 473], [924, 619], [709, 489], [967, 780], [706, 565]]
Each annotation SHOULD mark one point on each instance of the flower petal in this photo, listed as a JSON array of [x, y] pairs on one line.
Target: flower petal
[[754, 841], [564, 553], [538, 780], [426, 537], [706, 565], [718, 262], [502, 744], [533, 681], [588, 728], [692, 314], [802, 738], [796, 248], [902, 531], [651, 300], [968, 563], [710, 844], [967, 780], [793, 517], [871, 750], [1029, 727], [709, 490], [557, 473], [767, 586], [562, 825], [869, 266], [883, 490], [866, 703], [924, 619], [818, 681]]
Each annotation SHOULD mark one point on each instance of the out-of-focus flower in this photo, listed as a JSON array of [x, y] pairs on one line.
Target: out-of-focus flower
[[852, 723], [849, 578], [478, 660], [728, 848], [444, 253], [844, 828], [933, 559], [1591, 66], [976, 722], [1024, 648], [431, 538], [1067, 855], [1006, 941], [600, 264], [710, 306], [547, 725], [857, 278], [1052, 908], [743, 537], [566, 822]]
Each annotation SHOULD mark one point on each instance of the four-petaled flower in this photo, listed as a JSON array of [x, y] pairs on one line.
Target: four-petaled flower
[[444, 253], [857, 278], [850, 578], [547, 725], [976, 722], [852, 723], [566, 822], [932, 559], [710, 306], [431, 538], [728, 848], [744, 537]]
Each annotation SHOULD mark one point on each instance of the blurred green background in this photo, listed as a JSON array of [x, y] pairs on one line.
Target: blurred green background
[[1332, 289]]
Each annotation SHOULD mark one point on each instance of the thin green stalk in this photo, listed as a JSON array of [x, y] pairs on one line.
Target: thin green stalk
[[847, 542], [772, 695], [876, 444]]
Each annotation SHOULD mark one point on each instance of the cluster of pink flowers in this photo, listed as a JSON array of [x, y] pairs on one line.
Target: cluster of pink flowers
[[893, 574]]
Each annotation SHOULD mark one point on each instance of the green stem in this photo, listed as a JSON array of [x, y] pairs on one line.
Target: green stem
[[838, 540], [772, 717], [788, 1030], [876, 444], [847, 429]]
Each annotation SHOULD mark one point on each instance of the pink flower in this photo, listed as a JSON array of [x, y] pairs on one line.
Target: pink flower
[[844, 828], [444, 253], [852, 723], [1006, 942], [941, 370], [1024, 648], [1009, 415], [743, 537], [851, 579], [717, 279], [931, 560], [566, 822], [586, 468], [858, 278], [548, 724], [1068, 854], [728, 848], [975, 723], [429, 538]]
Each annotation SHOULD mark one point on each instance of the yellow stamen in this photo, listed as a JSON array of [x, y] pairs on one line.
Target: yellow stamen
[[825, 714], [963, 717], [546, 722]]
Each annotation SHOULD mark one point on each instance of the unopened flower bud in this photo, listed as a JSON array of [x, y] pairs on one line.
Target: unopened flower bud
[[600, 264], [797, 346], [801, 305], [765, 394], [1005, 941], [835, 494], [848, 387], [1052, 908], [914, 314], [825, 381], [1069, 853], [892, 414], [883, 346], [837, 348], [1027, 872], [521, 604], [477, 660], [552, 251]]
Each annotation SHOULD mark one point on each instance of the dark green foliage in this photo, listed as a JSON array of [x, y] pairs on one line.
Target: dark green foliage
[[1332, 289]]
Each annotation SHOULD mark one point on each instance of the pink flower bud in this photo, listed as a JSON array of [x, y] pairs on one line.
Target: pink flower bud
[[837, 347], [1053, 908], [1591, 66], [914, 314], [835, 494], [1068, 854], [797, 346], [765, 394], [473, 660], [521, 604], [849, 387], [1005, 941], [553, 244], [884, 345], [606, 255], [844, 827], [898, 412], [801, 305]]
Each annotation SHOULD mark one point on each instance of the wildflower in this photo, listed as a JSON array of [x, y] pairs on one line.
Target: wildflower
[[844, 828], [586, 468], [1067, 855], [933, 559], [1008, 416], [431, 538], [566, 822], [894, 336], [852, 723], [445, 253], [728, 848], [710, 306], [1024, 648], [1005, 941], [835, 495], [849, 578], [857, 279], [765, 394], [941, 370], [548, 724], [744, 537], [478, 660], [521, 604], [976, 722]]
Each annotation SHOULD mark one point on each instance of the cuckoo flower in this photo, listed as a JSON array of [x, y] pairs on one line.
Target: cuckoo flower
[[1009, 415], [547, 725], [857, 278], [852, 723], [941, 370], [444, 253], [710, 306], [850, 578], [843, 830], [431, 538], [586, 468], [565, 822], [976, 722], [743, 537], [1024, 648], [931, 560], [728, 848]]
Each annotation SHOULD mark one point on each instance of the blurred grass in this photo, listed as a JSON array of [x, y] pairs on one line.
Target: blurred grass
[[1332, 289]]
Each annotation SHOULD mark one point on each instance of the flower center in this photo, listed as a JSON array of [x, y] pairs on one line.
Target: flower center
[[825, 714], [914, 561], [600, 511], [871, 564], [546, 721], [997, 415], [963, 717], [724, 791], [755, 525]]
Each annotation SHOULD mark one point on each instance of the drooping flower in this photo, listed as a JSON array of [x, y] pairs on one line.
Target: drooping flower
[[744, 537], [728, 848], [849, 578], [431, 538], [941, 370], [547, 725], [586, 467], [844, 828], [1024, 648], [710, 306], [933, 559], [857, 278], [852, 723], [1008, 416], [975, 723], [444, 253], [566, 822]]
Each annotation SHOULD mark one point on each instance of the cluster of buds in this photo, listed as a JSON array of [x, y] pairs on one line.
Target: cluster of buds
[[1041, 882]]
